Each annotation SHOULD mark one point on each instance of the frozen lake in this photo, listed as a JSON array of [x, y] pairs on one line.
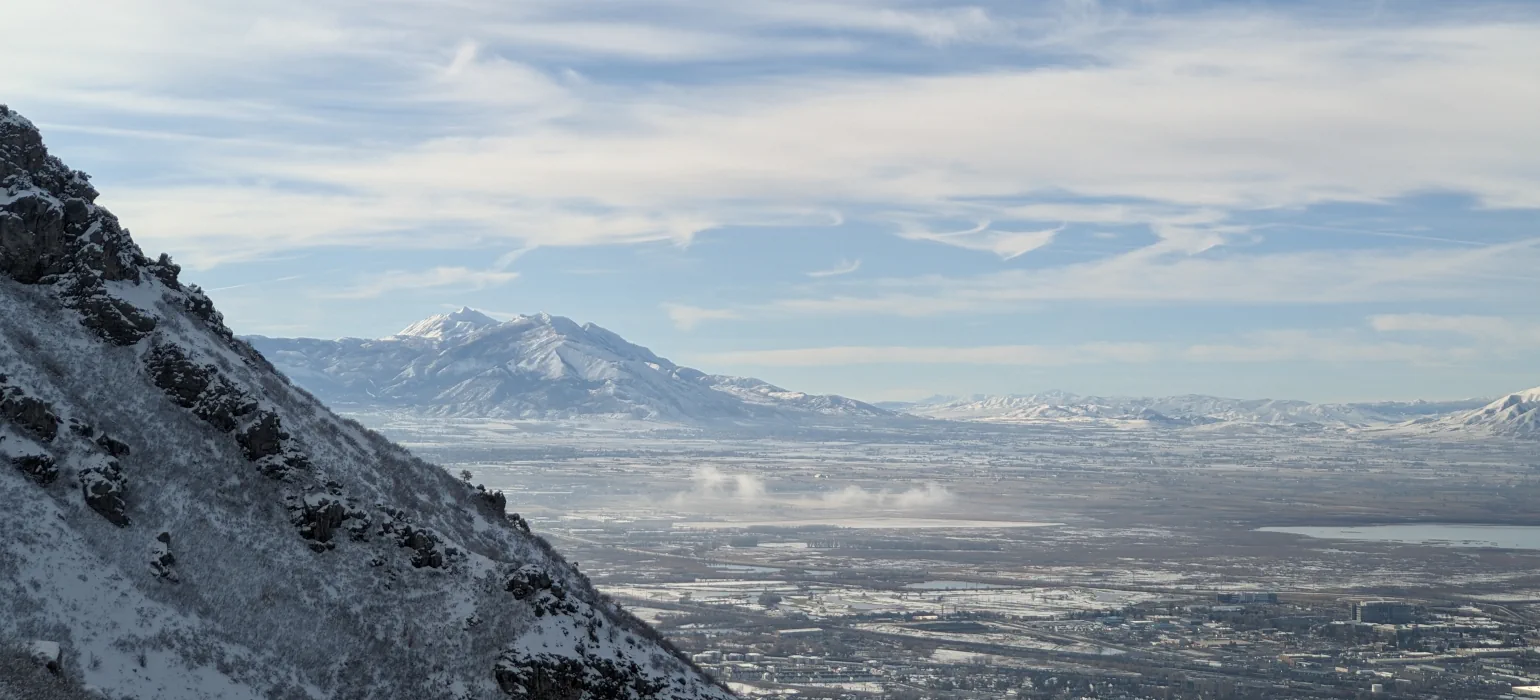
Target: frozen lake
[[1501, 536]]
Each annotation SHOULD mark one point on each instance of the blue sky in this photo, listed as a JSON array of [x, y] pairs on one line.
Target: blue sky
[[1329, 201]]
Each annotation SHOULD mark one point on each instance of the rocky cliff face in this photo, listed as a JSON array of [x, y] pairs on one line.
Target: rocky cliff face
[[184, 523]]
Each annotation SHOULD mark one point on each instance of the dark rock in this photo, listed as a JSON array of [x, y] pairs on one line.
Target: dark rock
[[263, 438], [39, 468], [116, 321], [82, 429], [48, 655], [357, 526], [201, 307], [422, 541], [200, 388], [545, 595], [105, 490], [319, 517], [162, 560], [33, 415], [52, 231], [424, 545], [226, 407], [222, 405], [527, 581], [181, 378], [32, 242], [494, 500], [166, 271], [112, 447], [551, 677]]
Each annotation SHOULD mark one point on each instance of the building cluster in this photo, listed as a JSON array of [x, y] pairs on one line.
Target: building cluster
[[1229, 646]]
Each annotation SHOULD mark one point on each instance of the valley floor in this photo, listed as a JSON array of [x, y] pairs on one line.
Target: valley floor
[[918, 548]]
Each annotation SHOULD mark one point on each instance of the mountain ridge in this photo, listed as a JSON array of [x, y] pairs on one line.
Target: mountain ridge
[[1514, 415], [1179, 410], [536, 366], [182, 522]]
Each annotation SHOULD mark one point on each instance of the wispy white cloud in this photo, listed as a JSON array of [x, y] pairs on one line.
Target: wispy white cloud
[[1031, 355], [1166, 272], [1205, 112], [1006, 244], [1262, 347], [844, 267], [936, 26], [286, 278], [451, 278], [686, 317], [1485, 328], [655, 43], [1324, 346]]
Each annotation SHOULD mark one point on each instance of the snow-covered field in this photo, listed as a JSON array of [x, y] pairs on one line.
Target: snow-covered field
[[1042, 511]]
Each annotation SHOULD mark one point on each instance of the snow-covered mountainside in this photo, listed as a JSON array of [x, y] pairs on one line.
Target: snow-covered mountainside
[[1174, 411], [1514, 415], [181, 522], [539, 367]]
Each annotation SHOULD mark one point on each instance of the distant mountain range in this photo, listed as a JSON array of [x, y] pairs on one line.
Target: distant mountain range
[[535, 367], [1513, 415], [543, 367]]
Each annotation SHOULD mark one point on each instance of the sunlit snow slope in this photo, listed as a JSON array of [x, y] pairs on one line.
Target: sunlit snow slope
[[1514, 415], [538, 367]]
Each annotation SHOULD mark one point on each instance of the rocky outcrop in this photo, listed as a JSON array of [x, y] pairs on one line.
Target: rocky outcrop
[[527, 581], [263, 437], [162, 561], [220, 403], [198, 387], [105, 490], [47, 655], [426, 545], [80, 429], [30, 414], [320, 517], [115, 320], [52, 233], [548, 677], [493, 500], [39, 468], [111, 446], [544, 594]]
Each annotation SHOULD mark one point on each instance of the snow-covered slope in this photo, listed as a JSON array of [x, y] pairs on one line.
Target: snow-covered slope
[[538, 367], [1174, 411], [183, 523], [1514, 415]]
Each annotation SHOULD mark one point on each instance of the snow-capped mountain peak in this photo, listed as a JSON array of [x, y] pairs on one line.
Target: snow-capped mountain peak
[[536, 366], [1514, 415], [451, 325]]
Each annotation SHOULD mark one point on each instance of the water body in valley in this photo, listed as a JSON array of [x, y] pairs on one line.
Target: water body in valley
[[1450, 535]]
